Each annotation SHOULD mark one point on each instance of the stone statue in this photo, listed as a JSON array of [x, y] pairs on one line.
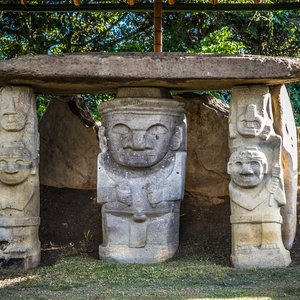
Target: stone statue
[[141, 175], [256, 197], [19, 183], [257, 190]]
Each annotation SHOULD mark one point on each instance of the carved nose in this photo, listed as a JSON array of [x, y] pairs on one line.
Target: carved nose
[[12, 168], [247, 170], [10, 109], [251, 112], [138, 140]]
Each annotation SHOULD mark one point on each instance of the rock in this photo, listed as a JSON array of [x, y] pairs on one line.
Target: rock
[[284, 125], [106, 72], [205, 209], [207, 140], [69, 148]]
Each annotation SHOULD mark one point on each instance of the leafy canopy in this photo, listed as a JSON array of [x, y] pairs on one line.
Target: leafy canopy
[[263, 33]]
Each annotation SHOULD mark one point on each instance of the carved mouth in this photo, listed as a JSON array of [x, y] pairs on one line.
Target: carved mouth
[[246, 176]]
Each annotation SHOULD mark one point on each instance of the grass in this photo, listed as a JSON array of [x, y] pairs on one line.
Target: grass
[[187, 276]]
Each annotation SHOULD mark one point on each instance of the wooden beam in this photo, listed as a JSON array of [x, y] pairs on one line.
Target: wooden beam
[[157, 25], [131, 2]]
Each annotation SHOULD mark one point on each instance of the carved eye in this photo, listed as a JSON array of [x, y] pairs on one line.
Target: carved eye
[[157, 129], [238, 164], [255, 164], [3, 162], [121, 129], [20, 161]]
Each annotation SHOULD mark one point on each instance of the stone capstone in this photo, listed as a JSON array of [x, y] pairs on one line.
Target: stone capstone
[[106, 72]]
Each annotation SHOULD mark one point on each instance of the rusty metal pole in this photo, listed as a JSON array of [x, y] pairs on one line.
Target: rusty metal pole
[[157, 25]]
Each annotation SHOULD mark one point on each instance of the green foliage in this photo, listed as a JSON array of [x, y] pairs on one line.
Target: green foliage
[[263, 33], [53, 33], [220, 42], [41, 104], [294, 92], [94, 100]]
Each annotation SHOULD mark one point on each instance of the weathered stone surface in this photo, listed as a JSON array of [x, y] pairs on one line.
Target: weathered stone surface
[[256, 189], [284, 125], [96, 72], [69, 148], [19, 181], [141, 175], [207, 140]]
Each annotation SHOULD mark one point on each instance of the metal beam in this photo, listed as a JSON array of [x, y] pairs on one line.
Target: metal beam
[[140, 7]]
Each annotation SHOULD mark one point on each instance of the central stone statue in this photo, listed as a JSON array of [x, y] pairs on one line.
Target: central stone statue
[[141, 173]]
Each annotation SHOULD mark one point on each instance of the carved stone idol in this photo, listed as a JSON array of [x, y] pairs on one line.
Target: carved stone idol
[[256, 196], [257, 187], [19, 184], [141, 175]]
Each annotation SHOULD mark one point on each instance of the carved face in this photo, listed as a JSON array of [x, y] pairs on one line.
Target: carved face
[[247, 168], [250, 123], [13, 113], [139, 140], [15, 165]]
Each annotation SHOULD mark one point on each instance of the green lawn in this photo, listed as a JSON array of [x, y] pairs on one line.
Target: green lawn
[[184, 277]]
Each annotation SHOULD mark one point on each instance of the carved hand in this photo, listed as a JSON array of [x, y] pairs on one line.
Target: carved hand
[[154, 194], [124, 194], [276, 172]]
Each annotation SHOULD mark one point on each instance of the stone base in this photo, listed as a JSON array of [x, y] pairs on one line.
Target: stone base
[[21, 263], [148, 255], [261, 258]]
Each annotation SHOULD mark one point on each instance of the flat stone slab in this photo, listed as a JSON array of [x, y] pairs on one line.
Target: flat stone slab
[[105, 72]]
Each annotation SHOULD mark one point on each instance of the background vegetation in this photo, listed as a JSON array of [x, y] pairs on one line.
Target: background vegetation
[[263, 33]]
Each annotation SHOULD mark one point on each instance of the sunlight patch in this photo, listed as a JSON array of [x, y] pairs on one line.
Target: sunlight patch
[[11, 281]]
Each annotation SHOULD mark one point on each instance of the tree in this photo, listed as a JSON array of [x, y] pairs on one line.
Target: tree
[[263, 33]]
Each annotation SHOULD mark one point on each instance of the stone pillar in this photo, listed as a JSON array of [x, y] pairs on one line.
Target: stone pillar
[[141, 174], [19, 181], [257, 188], [285, 126]]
